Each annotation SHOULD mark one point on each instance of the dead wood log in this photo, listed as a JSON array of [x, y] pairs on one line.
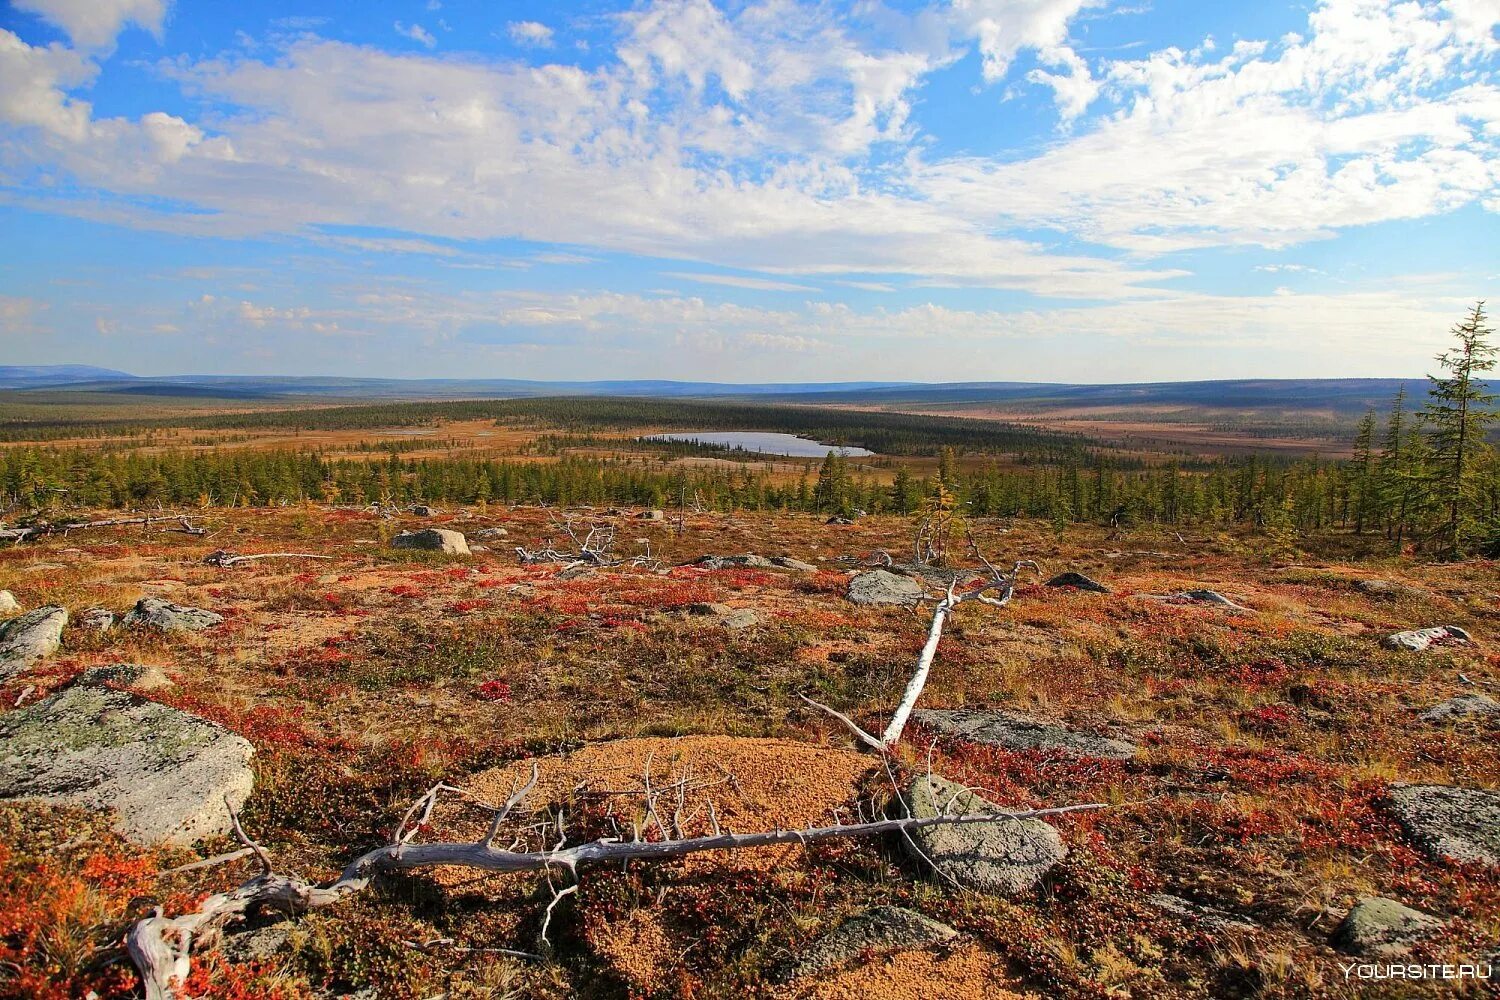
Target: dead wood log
[[226, 559], [161, 946]]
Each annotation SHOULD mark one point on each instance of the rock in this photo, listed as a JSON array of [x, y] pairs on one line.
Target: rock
[[883, 587], [1078, 582], [163, 614], [1210, 597], [257, 945], [132, 675], [1422, 639], [165, 773], [836, 519], [1014, 731], [433, 540], [491, 533], [1382, 928], [98, 619], [876, 931], [705, 608], [576, 571], [1464, 706], [651, 515], [787, 562], [1208, 917], [29, 638], [728, 617], [750, 560], [1007, 856], [1448, 822], [422, 510], [8, 603], [1379, 588]]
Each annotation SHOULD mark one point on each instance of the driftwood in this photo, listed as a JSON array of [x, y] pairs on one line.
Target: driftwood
[[161, 946], [1005, 584], [595, 548]]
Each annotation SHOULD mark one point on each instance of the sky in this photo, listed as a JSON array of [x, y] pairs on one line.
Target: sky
[[924, 190]]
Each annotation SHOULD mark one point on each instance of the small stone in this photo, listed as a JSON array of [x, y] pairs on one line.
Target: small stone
[[98, 619], [257, 945], [163, 614], [492, 533], [836, 519], [651, 515], [1014, 731], [577, 571], [740, 618], [422, 510], [132, 675], [787, 562], [1208, 917], [883, 587], [1422, 639], [1007, 856], [8, 603], [876, 931], [29, 638], [1450, 823], [1379, 588], [1078, 582], [1211, 597], [433, 540], [1464, 706], [705, 608], [165, 774], [1382, 928]]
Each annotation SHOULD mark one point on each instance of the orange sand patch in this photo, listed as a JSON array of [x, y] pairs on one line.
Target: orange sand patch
[[637, 947], [966, 973], [754, 785]]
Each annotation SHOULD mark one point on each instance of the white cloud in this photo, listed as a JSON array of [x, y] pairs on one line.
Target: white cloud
[[33, 85], [416, 33], [739, 281], [95, 24], [532, 33]]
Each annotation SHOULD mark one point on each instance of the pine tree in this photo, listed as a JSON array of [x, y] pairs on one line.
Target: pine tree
[[1458, 411], [1388, 466], [1361, 471]]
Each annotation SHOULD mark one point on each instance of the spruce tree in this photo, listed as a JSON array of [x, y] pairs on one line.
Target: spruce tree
[[1457, 411]]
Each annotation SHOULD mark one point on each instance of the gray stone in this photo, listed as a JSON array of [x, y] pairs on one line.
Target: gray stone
[[1448, 822], [491, 533], [787, 562], [651, 515], [160, 613], [165, 773], [1078, 582], [1208, 917], [1379, 588], [750, 560], [258, 944], [1382, 928], [879, 930], [735, 618], [708, 608], [1006, 856], [8, 603], [1210, 597], [740, 618], [433, 540], [1464, 706], [29, 638], [883, 587], [422, 510], [1014, 731], [836, 519], [1422, 639], [140, 676], [577, 571], [98, 619]]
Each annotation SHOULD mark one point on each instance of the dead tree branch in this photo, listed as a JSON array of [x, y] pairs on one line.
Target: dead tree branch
[[226, 559], [18, 535]]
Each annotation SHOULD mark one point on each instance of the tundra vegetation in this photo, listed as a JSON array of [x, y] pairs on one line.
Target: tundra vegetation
[[473, 774]]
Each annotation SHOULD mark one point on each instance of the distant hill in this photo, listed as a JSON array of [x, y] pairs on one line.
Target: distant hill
[[35, 376]]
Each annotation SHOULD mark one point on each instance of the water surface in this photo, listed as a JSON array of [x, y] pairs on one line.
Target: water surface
[[765, 443]]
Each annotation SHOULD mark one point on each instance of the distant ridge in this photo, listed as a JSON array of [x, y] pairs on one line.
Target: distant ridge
[[31, 376]]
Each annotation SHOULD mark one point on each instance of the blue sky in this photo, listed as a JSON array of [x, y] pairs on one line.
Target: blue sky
[[767, 191]]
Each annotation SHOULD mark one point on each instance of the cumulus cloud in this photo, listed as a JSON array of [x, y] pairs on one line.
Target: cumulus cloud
[[95, 24], [532, 33], [416, 33]]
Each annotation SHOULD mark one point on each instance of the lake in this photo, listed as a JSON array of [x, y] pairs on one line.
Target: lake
[[765, 443]]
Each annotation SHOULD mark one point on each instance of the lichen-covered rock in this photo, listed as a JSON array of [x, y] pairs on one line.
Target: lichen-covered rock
[[8, 603], [140, 676], [1007, 856], [1078, 582], [1210, 918], [165, 773], [98, 619], [1014, 731], [1210, 597], [1464, 706], [1420, 640], [1379, 588], [160, 613], [433, 540], [1448, 822], [29, 638], [651, 515], [879, 930], [735, 618], [883, 587], [787, 562], [1382, 928], [749, 560], [491, 533]]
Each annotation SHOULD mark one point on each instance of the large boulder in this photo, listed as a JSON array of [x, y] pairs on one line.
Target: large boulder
[[1014, 731], [433, 540], [140, 676], [883, 587], [1382, 928], [1448, 822], [29, 638], [876, 931], [1007, 856], [1420, 640], [787, 562], [1464, 706], [651, 515], [160, 613], [749, 561], [165, 773]]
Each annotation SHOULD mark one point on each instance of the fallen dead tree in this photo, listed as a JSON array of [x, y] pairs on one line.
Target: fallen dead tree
[[41, 530], [985, 593], [595, 548], [161, 946], [226, 559]]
